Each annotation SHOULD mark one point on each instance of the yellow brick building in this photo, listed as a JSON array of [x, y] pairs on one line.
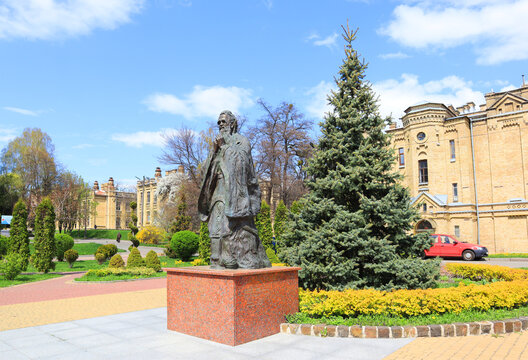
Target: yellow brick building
[[111, 206], [467, 168], [147, 196]]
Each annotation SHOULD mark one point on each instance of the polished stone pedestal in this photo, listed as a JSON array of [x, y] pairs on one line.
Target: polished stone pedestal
[[230, 306]]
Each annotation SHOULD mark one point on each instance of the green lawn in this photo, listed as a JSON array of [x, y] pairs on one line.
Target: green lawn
[[507, 255], [82, 248], [387, 320], [169, 263], [22, 279], [80, 265], [446, 282]]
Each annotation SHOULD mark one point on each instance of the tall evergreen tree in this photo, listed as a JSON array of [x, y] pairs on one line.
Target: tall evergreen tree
[[204, 247], [263, 225], [353, 228], [18, 235], [182, 221], [279, 221], [44, 236]]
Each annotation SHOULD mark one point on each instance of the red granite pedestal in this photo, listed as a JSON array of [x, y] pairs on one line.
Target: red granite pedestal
[[230, 306]]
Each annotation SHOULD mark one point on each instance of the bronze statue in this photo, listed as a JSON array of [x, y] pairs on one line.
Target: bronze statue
[[230, 199]]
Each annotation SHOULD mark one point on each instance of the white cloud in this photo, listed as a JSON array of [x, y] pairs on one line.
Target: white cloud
[[508, 88], [398, 55], [330, 41], [22, 111], [202, 101], [7, 135], [495, 29], [397, 95], [51, 19], [140, 138], [318, 99], [83, 146]]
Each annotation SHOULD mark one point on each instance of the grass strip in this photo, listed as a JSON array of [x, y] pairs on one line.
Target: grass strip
[[99, 234], [507, 255], [89, 248], [80, 265], [22, 279], [387, 320]]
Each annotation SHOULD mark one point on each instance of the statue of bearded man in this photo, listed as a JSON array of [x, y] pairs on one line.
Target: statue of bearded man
[[230, 199]]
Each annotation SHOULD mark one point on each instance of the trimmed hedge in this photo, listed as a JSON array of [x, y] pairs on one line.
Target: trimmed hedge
[[63, 242], [71, 255], [185, 244], [140, 271], [152, 261], [404, 303], [486, 272], [116, 262], [135, 259]]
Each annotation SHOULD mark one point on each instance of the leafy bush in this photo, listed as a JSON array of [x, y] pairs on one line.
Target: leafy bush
[[405, 303], [272, 256], [169, 252], [71, 255], [116, 262], [120, 271], [4, 244], [44, 240], [63, 242], [135, 259], [107, 250], [100, 257], [135, 241], [263, 224], [151, 235], [486, 272], [11, 265], [152, 261], [199, 262], [185, 244]]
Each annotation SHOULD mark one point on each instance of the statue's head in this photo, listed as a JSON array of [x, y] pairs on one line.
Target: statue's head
[[227, 122]]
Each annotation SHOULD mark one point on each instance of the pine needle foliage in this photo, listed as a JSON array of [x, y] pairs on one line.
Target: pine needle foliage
[[353, 227], [44, 236], [204, 247], [279, 223], [18, 235], [263, 224]]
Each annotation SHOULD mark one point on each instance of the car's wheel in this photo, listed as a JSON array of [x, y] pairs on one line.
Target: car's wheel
[[468, 255]]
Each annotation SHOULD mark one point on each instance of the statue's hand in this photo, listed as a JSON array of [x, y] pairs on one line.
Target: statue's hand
[[219, 141]]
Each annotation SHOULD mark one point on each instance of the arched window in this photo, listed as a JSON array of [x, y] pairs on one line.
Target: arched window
[[424, 225]]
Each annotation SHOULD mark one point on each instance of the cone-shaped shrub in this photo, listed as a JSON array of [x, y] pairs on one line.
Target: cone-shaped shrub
[[116, 262], [18, 234], [152, 261], [263, 224], [44, 236], [204, 248], [135, 259]]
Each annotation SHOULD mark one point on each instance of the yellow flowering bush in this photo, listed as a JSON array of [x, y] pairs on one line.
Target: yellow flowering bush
[[512, 292], [199, 262], [151, 235], [486, 272]]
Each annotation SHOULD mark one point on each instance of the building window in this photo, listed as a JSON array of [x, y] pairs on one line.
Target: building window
[[457, 231], [420, 136], [118, 222], [148, 217], [118, 205], [424, 207], [401, 157], [148, 197], [155, 198], [452, 147], [423, 175], [455, 192]]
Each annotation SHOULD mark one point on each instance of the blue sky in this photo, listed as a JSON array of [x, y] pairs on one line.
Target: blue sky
[[104, 78]]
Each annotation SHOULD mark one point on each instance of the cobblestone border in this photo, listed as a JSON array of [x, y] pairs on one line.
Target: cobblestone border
[[396, 332]]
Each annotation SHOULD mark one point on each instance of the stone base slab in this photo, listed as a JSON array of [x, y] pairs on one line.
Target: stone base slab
[[230, 306]]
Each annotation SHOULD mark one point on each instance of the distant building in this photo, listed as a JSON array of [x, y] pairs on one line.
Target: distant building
[[147, 195], [112, 206], [467, 168]]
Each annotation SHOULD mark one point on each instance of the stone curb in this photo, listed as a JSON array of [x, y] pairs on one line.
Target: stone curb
[[397, 332]]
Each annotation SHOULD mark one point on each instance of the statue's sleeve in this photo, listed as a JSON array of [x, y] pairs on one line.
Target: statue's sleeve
[[207, 189]]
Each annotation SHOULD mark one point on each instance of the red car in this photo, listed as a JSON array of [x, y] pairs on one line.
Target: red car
[[448, 246]]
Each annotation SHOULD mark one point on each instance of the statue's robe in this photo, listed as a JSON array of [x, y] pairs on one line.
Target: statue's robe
[[229, 200]]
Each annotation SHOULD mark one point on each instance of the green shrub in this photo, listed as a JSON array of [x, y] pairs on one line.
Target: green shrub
[[44, 240], [120, 271], [169, 252], [272, 256], [152, 261], [184, 243], [135, 241], [4, 244], [116, 262], [100, 257], [71, 255], [11, 265], [63, 242], [18, 234], [204, 249], [107, 250], [135, 259]]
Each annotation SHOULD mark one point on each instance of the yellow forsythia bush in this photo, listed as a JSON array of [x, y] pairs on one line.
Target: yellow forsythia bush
[[405, 303], [150, 235], [486, 272]]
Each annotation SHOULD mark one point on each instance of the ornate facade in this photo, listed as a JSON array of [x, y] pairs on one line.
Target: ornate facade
[[111, 206], [467, 168]]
